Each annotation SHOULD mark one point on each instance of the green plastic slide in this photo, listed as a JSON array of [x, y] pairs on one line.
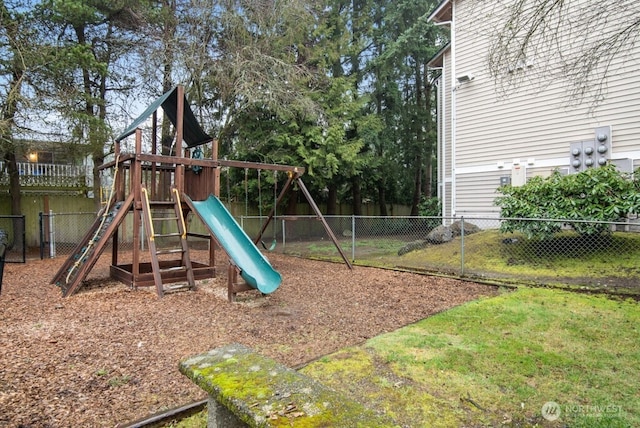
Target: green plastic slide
[[254, 267]]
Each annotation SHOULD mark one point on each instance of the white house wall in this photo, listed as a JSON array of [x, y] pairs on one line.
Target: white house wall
[[532, 125]]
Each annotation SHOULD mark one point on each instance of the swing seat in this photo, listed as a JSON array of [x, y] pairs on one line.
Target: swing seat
[[271, 247]]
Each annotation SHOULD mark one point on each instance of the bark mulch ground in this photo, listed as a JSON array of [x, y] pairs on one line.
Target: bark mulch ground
[[109, 354]]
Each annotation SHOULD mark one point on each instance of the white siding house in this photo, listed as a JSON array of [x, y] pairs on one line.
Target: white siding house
[[487, 135]]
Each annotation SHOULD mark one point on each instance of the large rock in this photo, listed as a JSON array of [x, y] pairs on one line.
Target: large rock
[[444, 234], [469, 228], [412, 246], [440, 235]]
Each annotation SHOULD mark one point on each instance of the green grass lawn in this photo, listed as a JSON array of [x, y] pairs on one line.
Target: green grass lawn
[[499, 360]]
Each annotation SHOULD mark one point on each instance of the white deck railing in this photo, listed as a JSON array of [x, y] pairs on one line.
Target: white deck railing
[[44, 174]]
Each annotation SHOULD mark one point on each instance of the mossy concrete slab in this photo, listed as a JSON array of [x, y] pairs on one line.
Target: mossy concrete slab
[[260, 392]]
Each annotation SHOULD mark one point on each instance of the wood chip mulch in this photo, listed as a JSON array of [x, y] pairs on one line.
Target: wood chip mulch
[[108, 355]]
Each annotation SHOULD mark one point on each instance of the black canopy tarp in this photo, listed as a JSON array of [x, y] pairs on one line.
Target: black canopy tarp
[[193, 134]]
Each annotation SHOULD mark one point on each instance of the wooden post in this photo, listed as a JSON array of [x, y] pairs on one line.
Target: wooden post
[[179, 179], [135, 184], [216, 191], [118, 188], [154, 150], [216, 173]]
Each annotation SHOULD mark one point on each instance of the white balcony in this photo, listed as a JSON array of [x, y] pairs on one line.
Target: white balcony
[[35, 174]]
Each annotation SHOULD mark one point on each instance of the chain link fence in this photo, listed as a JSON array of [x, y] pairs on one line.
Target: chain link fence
[[60, 233], [574, 253], [12, 235]]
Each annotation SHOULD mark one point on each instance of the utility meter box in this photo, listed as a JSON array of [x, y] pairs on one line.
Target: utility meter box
[[592, 153]]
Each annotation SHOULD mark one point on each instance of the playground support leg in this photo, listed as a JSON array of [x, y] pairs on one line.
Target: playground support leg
[[233, 286], [316, 210]]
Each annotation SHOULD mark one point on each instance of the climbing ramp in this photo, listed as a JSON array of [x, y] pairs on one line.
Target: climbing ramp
[[87, 252]]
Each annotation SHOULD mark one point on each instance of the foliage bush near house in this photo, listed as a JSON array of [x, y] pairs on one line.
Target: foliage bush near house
[[430, 207], [596, 195]]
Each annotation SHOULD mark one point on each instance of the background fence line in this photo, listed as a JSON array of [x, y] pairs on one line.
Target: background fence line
[[472, 247]]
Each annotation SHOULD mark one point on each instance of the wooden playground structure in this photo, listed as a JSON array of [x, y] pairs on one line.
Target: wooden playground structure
[[159, 192]]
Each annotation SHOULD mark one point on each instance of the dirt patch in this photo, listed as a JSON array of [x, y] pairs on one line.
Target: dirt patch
[[109, 355]]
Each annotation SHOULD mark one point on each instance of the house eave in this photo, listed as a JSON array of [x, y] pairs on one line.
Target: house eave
[[442, 13], [437, 61]]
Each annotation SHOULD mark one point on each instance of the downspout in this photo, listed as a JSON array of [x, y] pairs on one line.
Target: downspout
[[440, 146], [440, 100], [452, 73], [453, 108]]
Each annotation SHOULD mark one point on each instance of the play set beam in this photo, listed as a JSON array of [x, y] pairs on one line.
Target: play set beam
[[258, 165]]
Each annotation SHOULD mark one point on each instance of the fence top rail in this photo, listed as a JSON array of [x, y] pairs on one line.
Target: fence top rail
[[566, 220], [457, 218], [67, 213]]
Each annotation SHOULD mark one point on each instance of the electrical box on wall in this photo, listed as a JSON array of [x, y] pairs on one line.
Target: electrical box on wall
[[592, 153], [505, 180], [623, 165], [518, 175]]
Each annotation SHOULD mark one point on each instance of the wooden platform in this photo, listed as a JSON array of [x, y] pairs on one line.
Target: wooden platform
[[124, 273]]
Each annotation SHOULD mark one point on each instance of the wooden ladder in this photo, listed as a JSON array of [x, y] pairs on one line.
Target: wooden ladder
[[169, 268]]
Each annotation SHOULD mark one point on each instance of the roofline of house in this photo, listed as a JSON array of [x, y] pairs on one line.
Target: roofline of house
[[438, 56], [433, 16]]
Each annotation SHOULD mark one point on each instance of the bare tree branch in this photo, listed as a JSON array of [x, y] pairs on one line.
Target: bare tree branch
[[581, 43]]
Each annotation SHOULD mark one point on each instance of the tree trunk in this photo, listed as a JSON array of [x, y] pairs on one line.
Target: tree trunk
[[7, 120], [417, 187], [427, 189], [98, 160], [6, 137], [356, 191], [382, 199], [292, 204], [332, 200], [14, 181], [420, 141], [98, 155], [169, 9]]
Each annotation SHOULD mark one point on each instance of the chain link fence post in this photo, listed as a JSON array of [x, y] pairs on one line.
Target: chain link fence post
[[353, 238], [52, 236], [462, 246], [41, 238]]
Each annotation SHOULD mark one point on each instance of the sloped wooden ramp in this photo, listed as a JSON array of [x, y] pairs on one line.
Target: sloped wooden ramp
[[85, 255]]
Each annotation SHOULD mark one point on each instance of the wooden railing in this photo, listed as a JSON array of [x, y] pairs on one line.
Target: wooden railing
[[46, 175]]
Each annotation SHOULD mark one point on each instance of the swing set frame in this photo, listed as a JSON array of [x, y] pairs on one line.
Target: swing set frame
[[294, 176], [145, 183]]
